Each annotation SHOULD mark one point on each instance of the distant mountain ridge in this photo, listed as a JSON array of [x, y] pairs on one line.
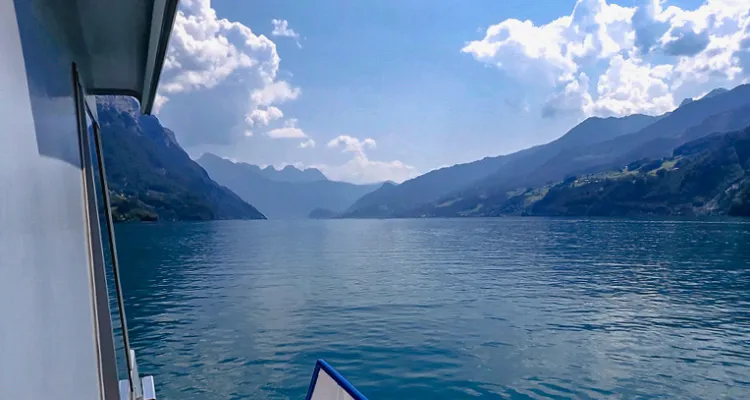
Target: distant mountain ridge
[[595, 145], [279, 197], [623, 149], [150, 176], [412, 194], [321, 213], [712, 93], [289, 173], [707, 176]]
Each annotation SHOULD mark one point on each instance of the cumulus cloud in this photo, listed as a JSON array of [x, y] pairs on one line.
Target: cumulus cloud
[[685, 41], [352, 144], [263, 117], [360, 169], [605, 59], [649, 24], [281, 28], [221, 84], [631, 86], [274, 92], [571, 100], [220, 78], [595, 29], [288, 131]]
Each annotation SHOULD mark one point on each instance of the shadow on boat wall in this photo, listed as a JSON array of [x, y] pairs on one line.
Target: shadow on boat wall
[[57, 338]]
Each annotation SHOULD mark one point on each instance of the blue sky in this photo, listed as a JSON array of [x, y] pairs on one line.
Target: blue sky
[[376, 90]]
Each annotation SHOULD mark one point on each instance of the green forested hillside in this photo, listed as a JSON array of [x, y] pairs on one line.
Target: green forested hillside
[[410, 197], [708, 176]]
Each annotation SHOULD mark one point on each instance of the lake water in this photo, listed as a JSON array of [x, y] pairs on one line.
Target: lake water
[[442, 309]]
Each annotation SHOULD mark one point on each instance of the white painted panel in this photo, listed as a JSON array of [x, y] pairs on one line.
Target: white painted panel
[[47, 333], [149, 390], [327, 389]]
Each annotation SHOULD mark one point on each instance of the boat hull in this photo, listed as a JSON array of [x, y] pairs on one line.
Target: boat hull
[[328, 384]]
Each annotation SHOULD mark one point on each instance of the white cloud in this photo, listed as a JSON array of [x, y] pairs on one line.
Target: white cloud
[[605, 59], [275, 92], [649, 24], [571, 99], [307, 144], [360, 169], [263, 117], [288, 131], [221, 84], [629, 86], [159, 102], [281, 28], [685, 41], [594, 29], [220, 78], [203, 53], [352, 144]]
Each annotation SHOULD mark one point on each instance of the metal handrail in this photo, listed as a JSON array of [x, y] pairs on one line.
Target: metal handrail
[[113, 253]]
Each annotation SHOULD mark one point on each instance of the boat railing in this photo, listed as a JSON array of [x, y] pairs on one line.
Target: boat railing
[[142, 386]]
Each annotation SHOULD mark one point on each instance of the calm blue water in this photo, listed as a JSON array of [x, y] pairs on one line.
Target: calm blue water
[[442, 309]]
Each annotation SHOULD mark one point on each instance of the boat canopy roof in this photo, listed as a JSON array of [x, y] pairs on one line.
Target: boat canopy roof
[[119, 45]]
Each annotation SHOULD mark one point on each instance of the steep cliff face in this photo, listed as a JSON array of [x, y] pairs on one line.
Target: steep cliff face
[[151, 177]]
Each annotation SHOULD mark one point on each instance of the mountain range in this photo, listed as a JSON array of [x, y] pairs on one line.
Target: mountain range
[[401, 200], [706, 176], [631, 165], [286, 193], [287, 174], [150, 177], [595, 145]]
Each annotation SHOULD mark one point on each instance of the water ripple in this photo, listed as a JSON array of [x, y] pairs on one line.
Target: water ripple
[[442, 309]]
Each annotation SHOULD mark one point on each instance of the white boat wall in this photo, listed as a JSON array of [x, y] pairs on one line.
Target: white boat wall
[[56, 340], [328, 384]]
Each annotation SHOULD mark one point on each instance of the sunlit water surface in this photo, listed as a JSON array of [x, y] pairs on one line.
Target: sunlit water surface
[[442, 309]]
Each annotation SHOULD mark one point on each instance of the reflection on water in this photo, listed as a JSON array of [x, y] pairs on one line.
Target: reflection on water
[[442, 309]]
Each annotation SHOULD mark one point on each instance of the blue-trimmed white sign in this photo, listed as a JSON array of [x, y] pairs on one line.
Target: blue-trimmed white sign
[[328, 384]]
